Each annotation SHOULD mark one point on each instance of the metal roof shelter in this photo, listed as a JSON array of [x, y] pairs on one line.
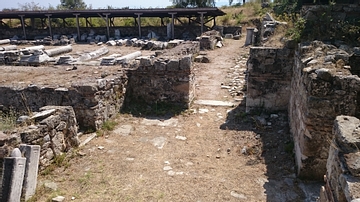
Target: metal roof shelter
[[109, 14]]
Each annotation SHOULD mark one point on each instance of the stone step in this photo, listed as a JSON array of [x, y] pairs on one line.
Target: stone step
[[215, 103]]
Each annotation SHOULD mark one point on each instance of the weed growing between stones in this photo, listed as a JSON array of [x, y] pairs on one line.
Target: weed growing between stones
[[107, 126], [7, 120]]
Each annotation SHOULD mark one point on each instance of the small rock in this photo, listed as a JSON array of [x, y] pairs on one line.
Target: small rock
[[218, 157], [166, 168], [180, 137], [237, 195], [274, 116], [244, 150], [101, 147], [58, 199], [51, 185], [171, 173]]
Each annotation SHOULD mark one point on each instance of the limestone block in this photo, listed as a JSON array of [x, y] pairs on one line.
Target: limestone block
[[185, 62], [346, 133], [172, 65], [159, 65]]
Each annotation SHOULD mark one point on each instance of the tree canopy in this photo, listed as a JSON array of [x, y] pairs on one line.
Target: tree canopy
[[73, 4], [194, 3]]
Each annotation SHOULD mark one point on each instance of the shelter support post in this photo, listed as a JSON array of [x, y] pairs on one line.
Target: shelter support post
[[172, 25], [202, 21], [49, 25], [23, 25], [77, 24], [139, 22]]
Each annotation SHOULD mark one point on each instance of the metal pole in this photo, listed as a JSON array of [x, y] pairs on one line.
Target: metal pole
[[23, 25], [49, 25], [139, 23], [172, 25]]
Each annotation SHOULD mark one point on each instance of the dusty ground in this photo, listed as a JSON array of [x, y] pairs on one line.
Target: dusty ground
[[205, 154]]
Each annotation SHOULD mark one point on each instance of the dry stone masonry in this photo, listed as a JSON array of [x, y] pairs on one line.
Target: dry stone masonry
[[54, 128], [166, 78], [343, 166], [321, 89], [94, 101], [269, 75]]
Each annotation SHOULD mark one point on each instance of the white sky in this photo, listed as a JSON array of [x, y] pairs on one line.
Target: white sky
[[99, 3]]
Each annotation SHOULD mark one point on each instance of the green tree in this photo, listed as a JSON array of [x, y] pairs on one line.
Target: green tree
[[193, 3], [73, 4]]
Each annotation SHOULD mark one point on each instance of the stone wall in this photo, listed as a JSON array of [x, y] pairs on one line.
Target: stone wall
[[167, 78], [269, 72], [332, 22], [54, 128], [321, 89], [93, 101], [342, 168], [161, 31]]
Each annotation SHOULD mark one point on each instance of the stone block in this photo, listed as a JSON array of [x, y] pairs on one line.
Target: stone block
[[160, 65], [352, 161], [185, 62], [172, 65]]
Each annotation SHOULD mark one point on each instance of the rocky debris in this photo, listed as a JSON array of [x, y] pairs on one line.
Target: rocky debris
[[109, 60], [202, 59], [65, 59], [209, 39], [38, 57], [235, 82]]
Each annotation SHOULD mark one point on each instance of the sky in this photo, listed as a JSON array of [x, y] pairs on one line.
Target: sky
[[99, 3]]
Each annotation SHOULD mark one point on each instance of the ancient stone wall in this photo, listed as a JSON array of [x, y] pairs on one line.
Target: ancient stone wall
[[321, 89], [161, 31], [93, 101], [167, 78], [54, 128], [342, 168], [269, 72], [334, 22]]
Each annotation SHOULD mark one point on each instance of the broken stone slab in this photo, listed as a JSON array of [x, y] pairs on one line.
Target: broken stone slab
[[58, 199], [59, 50], [160, 122], [8, 48], [219, 44], [66, 59], [123, 130], [159, 142], [94, 54], [126, 58], [202, 59], [4, 41], [88, 139], [215, 103], [32, 49], [111, 43], [43, 114], [229, 36], [109, 60]]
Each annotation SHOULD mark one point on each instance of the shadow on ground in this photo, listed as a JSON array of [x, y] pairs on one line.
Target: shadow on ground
[[272, 145]]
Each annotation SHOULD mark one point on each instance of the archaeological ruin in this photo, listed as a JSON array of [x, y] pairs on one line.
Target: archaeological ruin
[[317, 84]]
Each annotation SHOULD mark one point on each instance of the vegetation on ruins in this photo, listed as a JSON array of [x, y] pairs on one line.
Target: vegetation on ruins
[[7, 120]]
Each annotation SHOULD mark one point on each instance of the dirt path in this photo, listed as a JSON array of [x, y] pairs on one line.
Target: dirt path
[[208, 153]]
